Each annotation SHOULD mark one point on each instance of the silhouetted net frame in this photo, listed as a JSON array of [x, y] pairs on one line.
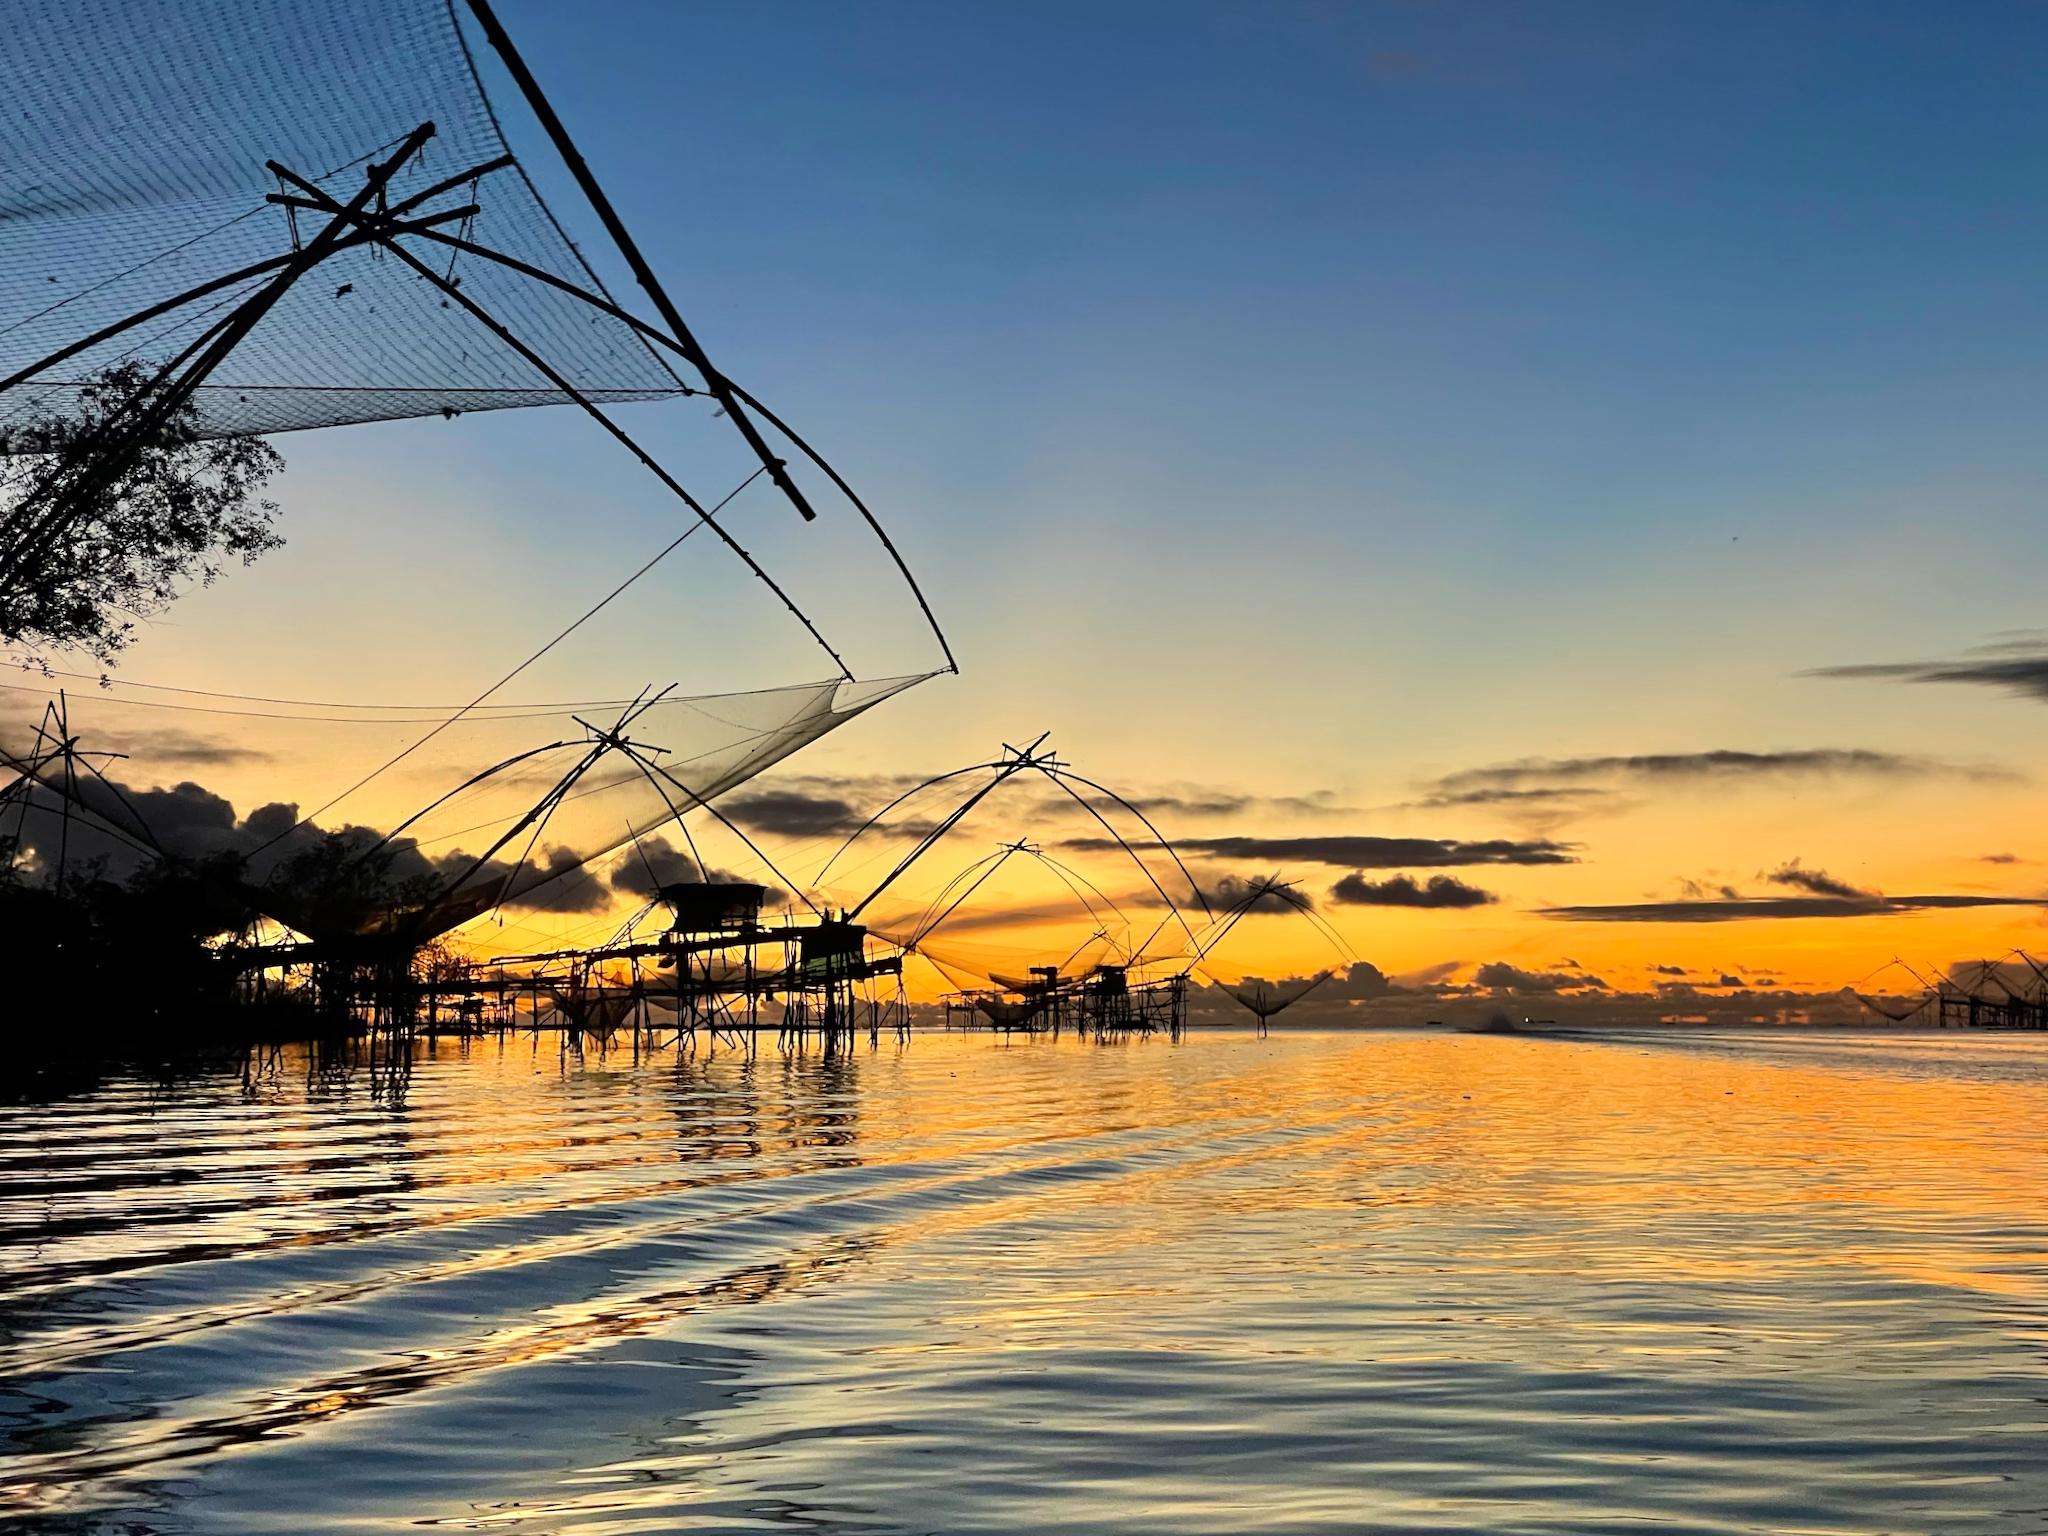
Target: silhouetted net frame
[[156, 191], [530, 826], [133, 167]]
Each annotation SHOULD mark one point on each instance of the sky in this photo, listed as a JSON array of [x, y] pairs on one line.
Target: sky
[[1474, 423]]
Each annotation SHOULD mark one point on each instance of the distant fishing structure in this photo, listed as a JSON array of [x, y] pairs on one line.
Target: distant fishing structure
[[2007, 994], [1266, 1000], [1099, 988]]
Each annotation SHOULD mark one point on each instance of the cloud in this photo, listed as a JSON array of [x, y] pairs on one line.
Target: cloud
[[1499, 976], [1359, 982], [837, 805], [2016, 665], [794, 813], [1402, 891], [897, 923], [656, 862], [1982, 975], [1548, 796], [1818, 882], [1366, 852], [1723, 764], [1230, 893], [1999, 858], [115, 824], [1730, 981], [1695, 890], [114, 820], [1427, 978], [652, 862], [1727, 909], [1184, 802], [1538, 809], [557, 881], [1667, 970], [178, 748]]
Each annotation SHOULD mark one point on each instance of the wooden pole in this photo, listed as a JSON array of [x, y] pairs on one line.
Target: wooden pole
[[623, 239]]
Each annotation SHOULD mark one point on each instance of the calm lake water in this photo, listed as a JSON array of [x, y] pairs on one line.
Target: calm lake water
[[1384, 1282]]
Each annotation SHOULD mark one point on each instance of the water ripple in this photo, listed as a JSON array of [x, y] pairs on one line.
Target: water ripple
[[1706, 1283]]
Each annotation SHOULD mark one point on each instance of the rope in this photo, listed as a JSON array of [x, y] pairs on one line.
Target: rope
[[400, 756]]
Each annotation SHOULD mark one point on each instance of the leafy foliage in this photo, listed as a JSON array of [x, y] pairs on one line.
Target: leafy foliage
[[144, 522]]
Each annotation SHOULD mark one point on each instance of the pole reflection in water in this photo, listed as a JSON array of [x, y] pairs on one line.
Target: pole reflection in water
[[1313, 1283]]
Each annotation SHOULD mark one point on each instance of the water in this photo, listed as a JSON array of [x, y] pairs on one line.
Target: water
[[1317, 1283]]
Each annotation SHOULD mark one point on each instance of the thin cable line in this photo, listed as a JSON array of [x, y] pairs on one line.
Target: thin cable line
[[33, 663], [399, 757]]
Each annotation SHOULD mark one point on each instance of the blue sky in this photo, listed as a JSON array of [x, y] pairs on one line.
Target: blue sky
[[1296, 396], [1342, 326]]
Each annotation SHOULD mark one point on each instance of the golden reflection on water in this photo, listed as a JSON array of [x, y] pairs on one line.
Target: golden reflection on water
[[1391, 1281]]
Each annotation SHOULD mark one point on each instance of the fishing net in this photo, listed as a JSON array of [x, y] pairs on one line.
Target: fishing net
[[493, 838], [1896, 1009], [132, 170], [1268, 999], [969, 966], [1107, 894]]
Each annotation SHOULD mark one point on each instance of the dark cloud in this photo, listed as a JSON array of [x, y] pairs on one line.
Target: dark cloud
[[831, 805], [2009, 975], [1187, 803], [1167, 807], [1366, 852], [656, 862], [1342, 992], [1726, 764], [115, 825], [1742, 908], [270, 821], [795, 813], [1540, 810], [1818, 882], [1317, 802], [1230, 893], [1667, 970], [1427, 978], [1999, 858], [1499, 976], [1402, 891], [652, 863], [2016, 665], [559, 881], [1696, 890], [898, 923], [117, 822], [1553, 797], [1575, 1003], [176, 748], [1360, 982]]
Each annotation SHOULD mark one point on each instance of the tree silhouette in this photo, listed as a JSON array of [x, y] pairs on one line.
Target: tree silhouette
[[161, 511]]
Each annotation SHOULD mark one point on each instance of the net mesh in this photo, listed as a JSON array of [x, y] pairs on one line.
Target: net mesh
[[617, 834], [132, 169], [1896, 1009], [1268, 999]]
